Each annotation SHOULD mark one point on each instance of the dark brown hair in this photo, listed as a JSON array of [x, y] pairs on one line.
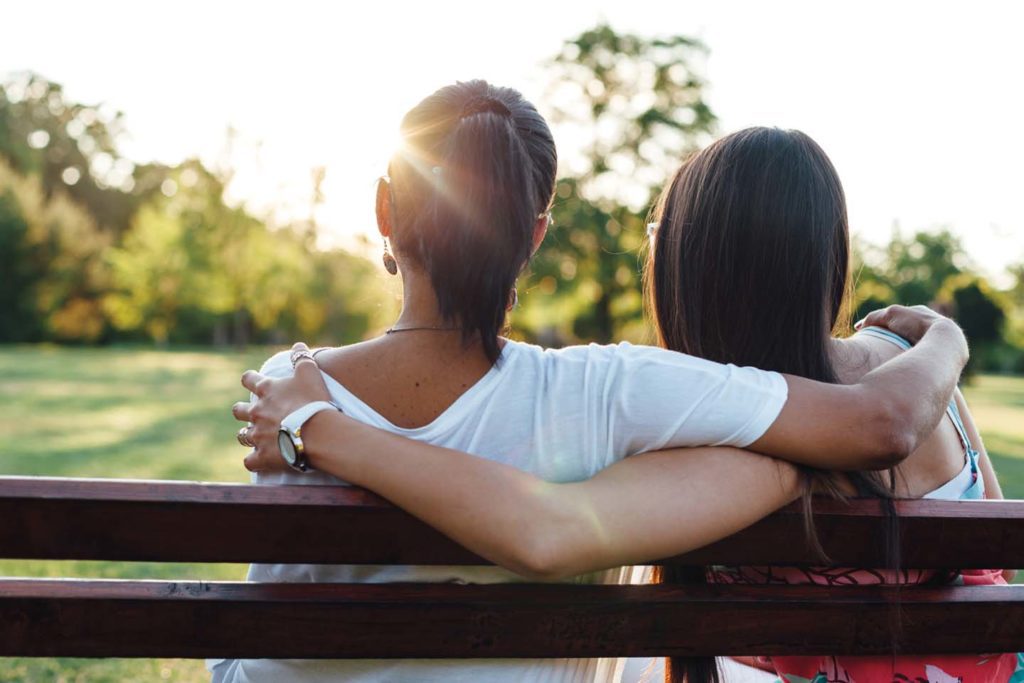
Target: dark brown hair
[[476, 170], [751, 267]]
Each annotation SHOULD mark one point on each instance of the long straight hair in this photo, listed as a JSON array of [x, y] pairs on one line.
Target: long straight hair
[[751, 266]]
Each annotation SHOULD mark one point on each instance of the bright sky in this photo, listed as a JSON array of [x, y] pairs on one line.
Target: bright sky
[[919, 104]]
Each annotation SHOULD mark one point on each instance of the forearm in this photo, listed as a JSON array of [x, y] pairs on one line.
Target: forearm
[[648, 506], [485, 506], [877, 422], [660, 504], [638, 510]]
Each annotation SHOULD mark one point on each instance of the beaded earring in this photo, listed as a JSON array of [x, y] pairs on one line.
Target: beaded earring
[[390, 264]]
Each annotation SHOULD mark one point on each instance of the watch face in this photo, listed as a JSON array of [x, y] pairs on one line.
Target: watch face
[[284, 442]]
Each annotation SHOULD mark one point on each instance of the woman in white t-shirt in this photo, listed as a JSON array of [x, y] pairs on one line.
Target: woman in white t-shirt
[[465, 208]]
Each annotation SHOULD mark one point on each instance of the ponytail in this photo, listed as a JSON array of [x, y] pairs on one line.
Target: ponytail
[[477, 172]]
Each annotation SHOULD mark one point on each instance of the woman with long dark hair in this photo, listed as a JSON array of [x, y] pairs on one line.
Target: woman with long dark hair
[[465, 208], [751, 266]]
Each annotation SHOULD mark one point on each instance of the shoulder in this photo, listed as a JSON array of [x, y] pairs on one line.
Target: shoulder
[[278, 365], [866, 350], [592, 356], [626, 362], [622, 352]]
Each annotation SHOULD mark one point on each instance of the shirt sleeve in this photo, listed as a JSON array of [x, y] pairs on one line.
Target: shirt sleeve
[[663, 399]]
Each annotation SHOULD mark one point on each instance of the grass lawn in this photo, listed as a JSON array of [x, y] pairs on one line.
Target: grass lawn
[[134, 413], [125, 413]]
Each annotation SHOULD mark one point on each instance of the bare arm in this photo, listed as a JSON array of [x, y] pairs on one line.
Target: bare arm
[[635, 510], [993, 491], [988, 474], [877, 422], [646, 507], [639, 509]]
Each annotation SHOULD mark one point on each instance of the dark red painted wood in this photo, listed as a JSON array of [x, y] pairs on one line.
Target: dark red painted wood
[[46, 518], [156, 619]]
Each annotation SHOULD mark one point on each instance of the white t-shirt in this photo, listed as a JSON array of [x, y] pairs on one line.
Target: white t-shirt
[[562, 415]]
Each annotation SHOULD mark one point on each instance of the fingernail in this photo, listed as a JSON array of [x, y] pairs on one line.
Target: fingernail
[[859, 324]]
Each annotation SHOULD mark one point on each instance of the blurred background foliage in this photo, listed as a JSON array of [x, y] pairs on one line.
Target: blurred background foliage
[[96, 248]]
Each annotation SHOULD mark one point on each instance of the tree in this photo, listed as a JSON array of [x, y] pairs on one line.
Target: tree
[[71, 147], [1016, 292], [50, 264], [19, 320], [639, 103], [908, 271], [918, 268], [978, 308], [981, 312]]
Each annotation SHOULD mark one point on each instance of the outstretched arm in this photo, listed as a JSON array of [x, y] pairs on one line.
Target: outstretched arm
[[882, 419], [639, 509], [636, 510]]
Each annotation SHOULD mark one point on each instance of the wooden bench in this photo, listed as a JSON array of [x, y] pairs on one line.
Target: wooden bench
[[189, 522]]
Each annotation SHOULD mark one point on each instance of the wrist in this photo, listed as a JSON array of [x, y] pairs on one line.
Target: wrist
[[953, 334], [332, 428], [313, 436], [292, 433]]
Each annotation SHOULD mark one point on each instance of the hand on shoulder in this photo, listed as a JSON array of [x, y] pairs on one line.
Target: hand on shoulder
[[909, 322]]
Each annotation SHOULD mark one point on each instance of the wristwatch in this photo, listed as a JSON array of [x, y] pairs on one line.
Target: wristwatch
[[289, 436]]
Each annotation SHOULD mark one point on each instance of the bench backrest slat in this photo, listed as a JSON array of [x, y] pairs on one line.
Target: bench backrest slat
[[50, 518], [158, 619]]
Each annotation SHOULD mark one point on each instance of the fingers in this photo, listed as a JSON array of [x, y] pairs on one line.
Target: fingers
[[255, 382], [912, 322], [307, 371], [251, 462], [244, 438], [242, 411], [251, 378], [301, 355], [276, 398], [261, 460], [875, 318]]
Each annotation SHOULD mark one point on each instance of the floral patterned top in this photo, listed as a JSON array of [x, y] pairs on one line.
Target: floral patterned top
[[982, 668]]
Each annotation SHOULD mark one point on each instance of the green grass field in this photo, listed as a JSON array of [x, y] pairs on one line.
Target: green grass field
[[165, 415]]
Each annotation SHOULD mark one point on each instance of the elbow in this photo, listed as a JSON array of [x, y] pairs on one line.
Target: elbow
[[895, 447], [540, 558], [555, 539], [895, 436]]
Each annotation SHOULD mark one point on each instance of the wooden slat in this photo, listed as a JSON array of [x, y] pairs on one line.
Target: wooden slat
[[156, 619], [164, 521], [48, 518]]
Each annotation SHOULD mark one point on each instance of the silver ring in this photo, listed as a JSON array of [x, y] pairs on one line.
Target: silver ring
[[301, 355], [244, 438]]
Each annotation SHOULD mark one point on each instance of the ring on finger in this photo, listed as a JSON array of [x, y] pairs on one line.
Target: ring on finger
[[301, 355], [244, 437]]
